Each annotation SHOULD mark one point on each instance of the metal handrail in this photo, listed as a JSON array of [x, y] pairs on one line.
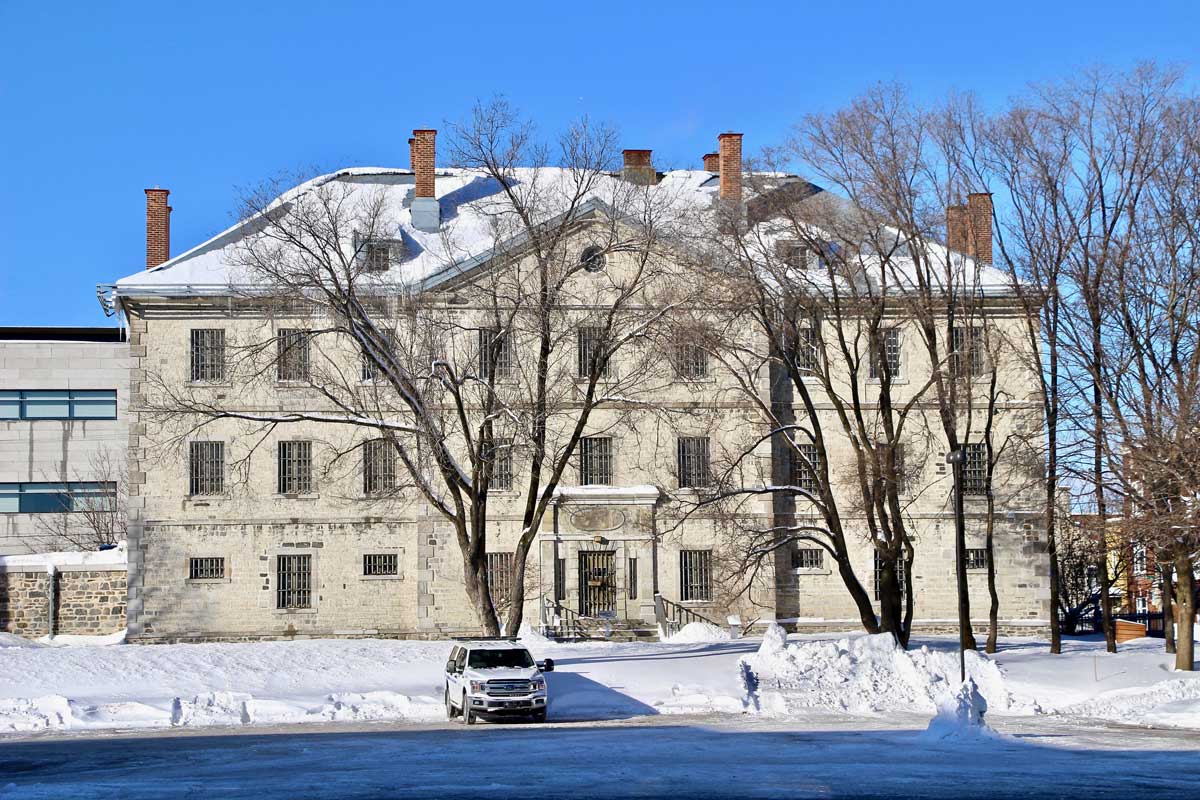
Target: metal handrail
[[672, 616]]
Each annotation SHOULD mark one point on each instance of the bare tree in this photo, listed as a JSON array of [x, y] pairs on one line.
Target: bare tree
[[487, 354], [94, 503]]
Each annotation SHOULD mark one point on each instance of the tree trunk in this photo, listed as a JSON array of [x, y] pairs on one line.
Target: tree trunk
[[1185, 603], [966, 636], [891, 602], [1168, 608], [993, 594], [479, 595], [866, 611], [1107, 624]]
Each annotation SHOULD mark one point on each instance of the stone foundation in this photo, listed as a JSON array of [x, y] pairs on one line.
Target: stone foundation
[[86, 601]]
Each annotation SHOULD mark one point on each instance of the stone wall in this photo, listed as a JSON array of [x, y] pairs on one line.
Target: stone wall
[[87, 602]]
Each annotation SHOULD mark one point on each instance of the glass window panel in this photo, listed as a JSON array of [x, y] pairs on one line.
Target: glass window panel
[[47, 405], [94, 404], [10, 498], [10, 405]]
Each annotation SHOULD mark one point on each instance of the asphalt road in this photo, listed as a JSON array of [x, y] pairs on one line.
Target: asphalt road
[[638, 758]]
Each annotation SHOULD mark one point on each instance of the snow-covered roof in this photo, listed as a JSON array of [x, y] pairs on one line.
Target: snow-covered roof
[[469, 203], [468, 199], [112, 558]]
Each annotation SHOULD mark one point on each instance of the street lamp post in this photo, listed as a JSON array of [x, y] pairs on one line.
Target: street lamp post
[[955, 458]]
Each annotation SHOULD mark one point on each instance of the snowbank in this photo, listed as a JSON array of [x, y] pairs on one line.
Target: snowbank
[[961, 718], [1171, 703], [866, 674], [698, 633], [113, 557]]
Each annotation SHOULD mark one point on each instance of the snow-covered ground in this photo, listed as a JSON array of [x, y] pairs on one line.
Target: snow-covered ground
[[123, 687]]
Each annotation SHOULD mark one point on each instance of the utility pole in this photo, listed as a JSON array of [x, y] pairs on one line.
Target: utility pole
[[955, 458]]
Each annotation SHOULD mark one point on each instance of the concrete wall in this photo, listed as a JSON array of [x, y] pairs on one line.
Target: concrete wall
[[57, 450]]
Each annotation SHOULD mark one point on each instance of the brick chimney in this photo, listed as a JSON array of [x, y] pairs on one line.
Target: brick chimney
[[729, 146], [979, 226], [158, 227], [712, 162], [638, 168], [422, 148], [956, 228]]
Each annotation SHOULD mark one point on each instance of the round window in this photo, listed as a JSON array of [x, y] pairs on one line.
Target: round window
[[592, 258]]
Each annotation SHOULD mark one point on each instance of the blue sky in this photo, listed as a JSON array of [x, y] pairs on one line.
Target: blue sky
[[101, 100]]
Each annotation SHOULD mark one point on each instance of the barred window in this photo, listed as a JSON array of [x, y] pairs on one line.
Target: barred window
[[295, 468], [379, 467], [208, 354], [975, 469], [693, 462], [206, 569], [293, 575], [368, 370], [591, 346], [806, 467], [375, 564], [500, 568], [966, 351], [886, 350], [502, 464], [808, 558], [695, 575], [595, 461], [292, 357], [976, 558], [560, 579], [495, 345], [691, 361], [879, 574], [631, 577], [807, 360], [206, 468]]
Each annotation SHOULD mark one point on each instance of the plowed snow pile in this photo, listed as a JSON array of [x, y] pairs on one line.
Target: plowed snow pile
[[865, 674]]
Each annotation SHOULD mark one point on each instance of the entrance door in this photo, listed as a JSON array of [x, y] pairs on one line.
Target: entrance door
[[597, 583]]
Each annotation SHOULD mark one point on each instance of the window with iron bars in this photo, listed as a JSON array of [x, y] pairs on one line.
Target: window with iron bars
[[208, 354], [595, 461], [206, 569], [631, 577], [368, 370], [807, 356], [502, 464], [966, 351], [560, 579], [591, 346], [806, 467], [293, 581], [379, 467], [500, 567], [380, 254], [291, 354], [695, 575], [976, 557], [691, 362], [206, 468], [808, 558], [878, 574], [693, 462], [295, 468], [375, 564], [492, 343], [886, 350], [975, 469]]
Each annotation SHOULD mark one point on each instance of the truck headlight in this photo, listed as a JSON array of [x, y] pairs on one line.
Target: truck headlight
[[478, 687], [537, 685]]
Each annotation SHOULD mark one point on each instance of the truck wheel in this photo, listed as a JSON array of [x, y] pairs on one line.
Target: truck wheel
[[451, 713], [468, 714], [539, 716]]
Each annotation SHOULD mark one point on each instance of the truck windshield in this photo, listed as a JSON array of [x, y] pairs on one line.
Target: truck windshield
[[499, 659]]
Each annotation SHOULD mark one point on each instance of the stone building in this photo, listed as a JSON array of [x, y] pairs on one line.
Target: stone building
[[262, 520], [63, 435]]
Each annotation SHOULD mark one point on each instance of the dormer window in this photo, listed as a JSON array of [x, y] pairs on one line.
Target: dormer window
[[380, 255]]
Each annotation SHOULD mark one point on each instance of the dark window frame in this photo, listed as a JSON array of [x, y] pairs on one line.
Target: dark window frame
[[293, 355], [293, 581], [596, 461], [206, 568], [295, 467], [693, 462], [206, 468], [696, 576], [381, 565], [208, 355], [23, 399]]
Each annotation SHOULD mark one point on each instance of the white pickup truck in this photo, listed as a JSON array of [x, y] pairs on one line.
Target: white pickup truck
[[494, 678]]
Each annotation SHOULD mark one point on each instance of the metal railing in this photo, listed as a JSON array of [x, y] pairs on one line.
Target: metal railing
[[672, 617], [560, 622]]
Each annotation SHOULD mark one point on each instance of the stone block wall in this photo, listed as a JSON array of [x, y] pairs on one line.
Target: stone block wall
[[88, 602]]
